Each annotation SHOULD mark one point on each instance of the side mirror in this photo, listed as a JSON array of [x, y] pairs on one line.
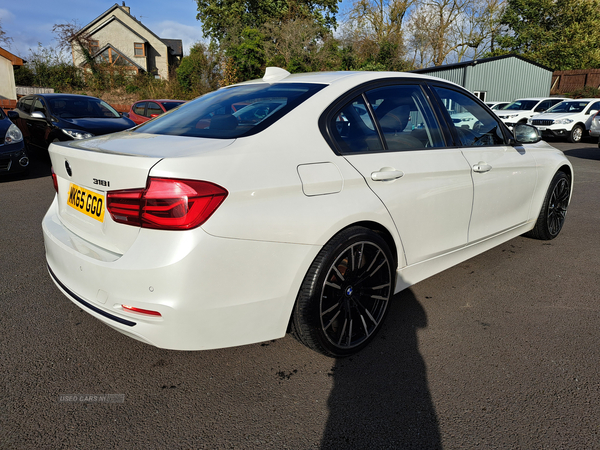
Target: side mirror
[[38, 115], [125, 114], [12, 115], [593, 112], [526, 134]]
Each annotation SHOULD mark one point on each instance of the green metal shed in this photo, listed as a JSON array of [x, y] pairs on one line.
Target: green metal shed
[[501, 78]]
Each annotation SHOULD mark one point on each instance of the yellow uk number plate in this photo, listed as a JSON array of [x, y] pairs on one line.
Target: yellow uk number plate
[[88, 202]]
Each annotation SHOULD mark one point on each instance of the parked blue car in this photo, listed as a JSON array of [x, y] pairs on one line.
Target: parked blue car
[[13, 155], [47, 118]]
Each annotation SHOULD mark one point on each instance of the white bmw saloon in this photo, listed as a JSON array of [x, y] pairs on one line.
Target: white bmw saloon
[[293, 203]]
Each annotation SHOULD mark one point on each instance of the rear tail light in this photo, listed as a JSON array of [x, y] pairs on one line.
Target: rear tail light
[[166, 204], [54, 180]]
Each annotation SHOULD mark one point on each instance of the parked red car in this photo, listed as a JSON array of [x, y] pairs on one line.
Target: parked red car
[[145, 110]]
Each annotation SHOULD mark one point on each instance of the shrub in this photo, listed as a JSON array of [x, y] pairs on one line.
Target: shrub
[[586, 92]]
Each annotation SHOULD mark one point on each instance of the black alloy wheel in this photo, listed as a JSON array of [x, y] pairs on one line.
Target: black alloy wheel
[[554, 210], [345, 295]]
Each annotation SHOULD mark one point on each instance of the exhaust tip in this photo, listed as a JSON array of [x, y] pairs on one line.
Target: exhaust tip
[[24, 161]]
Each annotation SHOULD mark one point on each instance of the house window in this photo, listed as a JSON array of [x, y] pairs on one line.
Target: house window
[[138, 49], [94, 46], [480, 95]]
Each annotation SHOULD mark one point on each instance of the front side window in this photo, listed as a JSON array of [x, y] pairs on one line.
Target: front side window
[[473, 124], [594, 107], [521, 105], [232, 112], [543, 106], [38, 105], [25, 104]]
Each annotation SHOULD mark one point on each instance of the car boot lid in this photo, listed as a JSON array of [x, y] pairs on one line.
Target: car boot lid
[[130, 143]]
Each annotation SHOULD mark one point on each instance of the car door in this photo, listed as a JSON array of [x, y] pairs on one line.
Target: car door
[[391, 135], [504, 176], [24, 109], [590, 113], [139, 111], [153, 110], [39, 127]]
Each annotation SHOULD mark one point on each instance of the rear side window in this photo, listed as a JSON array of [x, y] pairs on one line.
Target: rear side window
[[353, 130], [138, 108], [405, 118], [403, 121], [232, 112]]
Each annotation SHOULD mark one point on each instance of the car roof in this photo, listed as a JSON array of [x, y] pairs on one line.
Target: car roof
[[582, 99], [335, 77], [160, 100], [540, 98], [55, 95]]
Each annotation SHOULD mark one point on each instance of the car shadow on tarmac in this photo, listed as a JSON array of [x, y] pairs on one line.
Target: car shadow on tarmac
[[591, 153], [380, 397]]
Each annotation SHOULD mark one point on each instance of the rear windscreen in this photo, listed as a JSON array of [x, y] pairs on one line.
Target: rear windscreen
[[232, 112]]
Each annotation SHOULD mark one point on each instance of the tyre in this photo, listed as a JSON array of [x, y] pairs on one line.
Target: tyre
[[576, 134], [554, 210], [344, 297]]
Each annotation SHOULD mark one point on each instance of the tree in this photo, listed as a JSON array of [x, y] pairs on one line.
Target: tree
[[446, 31], [560, 34], [245, 56], [373, 31], [3, 37], [300, 46], [221, 17], [197, 73]]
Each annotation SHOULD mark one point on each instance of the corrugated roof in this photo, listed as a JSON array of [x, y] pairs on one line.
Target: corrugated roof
[[478, 61]]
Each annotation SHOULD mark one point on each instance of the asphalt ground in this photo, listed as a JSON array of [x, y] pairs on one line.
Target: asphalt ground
[[498, 352]]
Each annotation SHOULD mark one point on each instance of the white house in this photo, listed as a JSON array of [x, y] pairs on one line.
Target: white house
[[7, 75], [119, 39]]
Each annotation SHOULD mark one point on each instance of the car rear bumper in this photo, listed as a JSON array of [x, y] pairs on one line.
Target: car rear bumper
[[210, 292]]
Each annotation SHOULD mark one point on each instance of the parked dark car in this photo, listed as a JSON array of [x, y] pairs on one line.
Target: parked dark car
[[145, 110], [47, 118], [13, 155]]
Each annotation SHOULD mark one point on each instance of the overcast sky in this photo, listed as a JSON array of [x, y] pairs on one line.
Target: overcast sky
[[28, 22]]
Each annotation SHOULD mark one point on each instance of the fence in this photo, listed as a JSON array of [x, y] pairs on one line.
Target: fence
[[7, 104], [26, 90], [567, 81]]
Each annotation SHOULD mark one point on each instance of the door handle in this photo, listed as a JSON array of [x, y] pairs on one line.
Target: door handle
[[386, 174], [481, 167]]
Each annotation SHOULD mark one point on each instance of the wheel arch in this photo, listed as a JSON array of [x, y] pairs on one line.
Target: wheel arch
[[568, 171], [383, 232]]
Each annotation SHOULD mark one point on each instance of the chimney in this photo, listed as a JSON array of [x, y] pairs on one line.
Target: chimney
[[126, 8]]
